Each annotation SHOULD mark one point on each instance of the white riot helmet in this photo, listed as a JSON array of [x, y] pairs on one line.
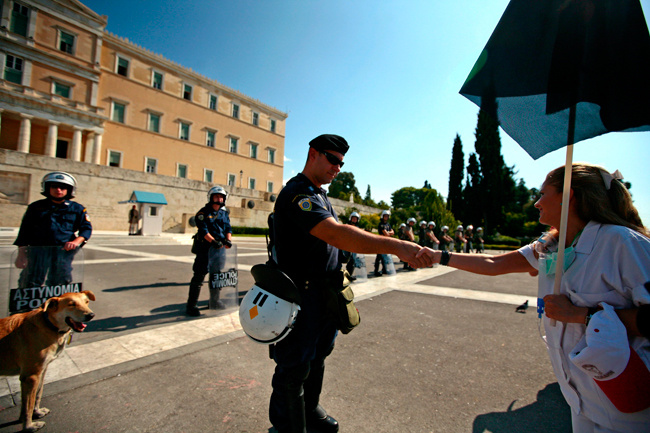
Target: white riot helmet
[[410, 220], [431, 223], [423, 223], [402, 225], [385, 212], [479, 230], [269, 309], [445, 228], [217, 190], [355, 214], [59, 177], [470, 227], [459, 228]]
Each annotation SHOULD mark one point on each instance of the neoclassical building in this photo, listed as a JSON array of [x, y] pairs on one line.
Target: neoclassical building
[[71, 90]]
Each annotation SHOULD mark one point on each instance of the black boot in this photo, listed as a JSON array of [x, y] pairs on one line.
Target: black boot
[[317, 419], [193, 296]]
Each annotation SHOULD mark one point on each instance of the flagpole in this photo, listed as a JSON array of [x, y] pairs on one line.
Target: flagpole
[[566, 195]]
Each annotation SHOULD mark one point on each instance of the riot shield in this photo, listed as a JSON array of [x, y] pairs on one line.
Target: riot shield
[[360, 270], [388, 264], [222, 266], [39, 273]]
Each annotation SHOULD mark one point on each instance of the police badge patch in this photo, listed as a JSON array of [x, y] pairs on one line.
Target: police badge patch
[[305, 204]]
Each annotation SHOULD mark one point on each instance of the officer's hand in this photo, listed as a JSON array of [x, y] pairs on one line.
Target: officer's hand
[[69, 246], [409, 254], [21, 259]]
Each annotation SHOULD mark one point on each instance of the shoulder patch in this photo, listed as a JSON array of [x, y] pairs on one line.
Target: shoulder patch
[[305, 204], [200, 217]]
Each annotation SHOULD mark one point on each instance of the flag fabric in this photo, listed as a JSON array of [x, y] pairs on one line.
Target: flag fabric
[[546, 56]]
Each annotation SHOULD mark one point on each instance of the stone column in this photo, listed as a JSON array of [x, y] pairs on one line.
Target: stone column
[[90, 144], [75, 155], [25, 134], [52, 136], [97, 152]]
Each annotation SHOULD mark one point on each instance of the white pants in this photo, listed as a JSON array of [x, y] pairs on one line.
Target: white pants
[[582, 424]]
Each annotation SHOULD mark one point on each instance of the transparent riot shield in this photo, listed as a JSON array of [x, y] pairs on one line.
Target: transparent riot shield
[[360, 269], [39, 273], [388, 263], [223, 273]]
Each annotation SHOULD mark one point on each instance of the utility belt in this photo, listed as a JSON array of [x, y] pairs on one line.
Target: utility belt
[[199, 244], [338, 298]]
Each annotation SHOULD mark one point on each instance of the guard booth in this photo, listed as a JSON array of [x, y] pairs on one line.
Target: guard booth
[[150, 206]]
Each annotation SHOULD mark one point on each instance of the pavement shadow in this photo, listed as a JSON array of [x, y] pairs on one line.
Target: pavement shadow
[[549, 414], [146, 286]]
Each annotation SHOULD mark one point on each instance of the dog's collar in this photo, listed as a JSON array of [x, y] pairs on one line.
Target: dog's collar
[[51, 325]]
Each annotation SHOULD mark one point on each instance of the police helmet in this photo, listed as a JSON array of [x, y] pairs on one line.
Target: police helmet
[[269, 310], [445, 228], [480, 229], [355, 214], [217, 190], [402, 225], [470, 227], [385, 212], [423, 223], [431, 223], [59, 177], [410, 220], [460, 228]]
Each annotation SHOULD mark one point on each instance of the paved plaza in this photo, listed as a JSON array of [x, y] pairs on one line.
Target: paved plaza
[[438, 350]]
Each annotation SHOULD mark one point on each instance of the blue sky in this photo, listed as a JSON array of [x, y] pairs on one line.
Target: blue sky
[[383, 74]]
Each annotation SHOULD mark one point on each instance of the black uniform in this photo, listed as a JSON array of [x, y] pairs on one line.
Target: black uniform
[[49, 224], [217, 223], [300, 357], [381, 228]]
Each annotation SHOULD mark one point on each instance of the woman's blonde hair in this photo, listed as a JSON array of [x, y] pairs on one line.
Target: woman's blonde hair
[[594, 202]]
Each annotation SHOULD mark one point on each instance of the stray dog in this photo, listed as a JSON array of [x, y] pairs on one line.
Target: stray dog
[[30, 341]]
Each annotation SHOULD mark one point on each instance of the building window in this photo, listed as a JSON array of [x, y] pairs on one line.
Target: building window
[[19, 19], [13, 69], [181, 170], [210, 138], [254, 150], [213, 102], [208, 175], [272, 156], [153, 211], [62, 90], [66, 42], [114, 158], [151, 165], [187, 92], [272, 125], [157, 80], [122, 66], [256, 119], [269, 186], [235, 111], [251, 183], [119, 112], [233, 145], [232, 179], [184, 131], [154, 122]]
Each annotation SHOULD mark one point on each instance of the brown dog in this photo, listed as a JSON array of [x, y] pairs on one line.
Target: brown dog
[[30, 341]]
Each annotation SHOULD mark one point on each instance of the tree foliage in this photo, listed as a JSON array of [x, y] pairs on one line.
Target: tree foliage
[[342, 185], [456, 175]]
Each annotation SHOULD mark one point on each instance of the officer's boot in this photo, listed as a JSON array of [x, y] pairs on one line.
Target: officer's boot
[[287, 408], [317, 418], [215, 303], [193, 297]]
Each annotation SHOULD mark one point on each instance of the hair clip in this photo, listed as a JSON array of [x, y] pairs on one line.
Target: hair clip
[[608, 177]]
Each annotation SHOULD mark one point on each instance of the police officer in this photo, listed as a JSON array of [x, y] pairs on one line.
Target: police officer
[[384, 229], [214, 235], [445, 239], [459, 239], [308, 238], [431, 236], [347, 257], [55, 221]]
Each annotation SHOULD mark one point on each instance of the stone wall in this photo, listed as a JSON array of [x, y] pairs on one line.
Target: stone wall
[[101, 188]]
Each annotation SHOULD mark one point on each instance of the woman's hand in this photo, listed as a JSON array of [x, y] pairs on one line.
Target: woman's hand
[[560, 308]]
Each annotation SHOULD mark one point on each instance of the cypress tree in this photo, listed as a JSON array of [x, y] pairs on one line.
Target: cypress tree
[[456, 175]]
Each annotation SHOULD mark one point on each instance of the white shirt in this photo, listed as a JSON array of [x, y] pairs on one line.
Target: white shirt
[[612, 264]]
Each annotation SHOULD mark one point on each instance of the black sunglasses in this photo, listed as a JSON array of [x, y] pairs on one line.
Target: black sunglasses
[[333, 159]]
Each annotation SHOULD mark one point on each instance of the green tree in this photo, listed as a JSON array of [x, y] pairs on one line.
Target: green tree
[[456, 175], [473, 199], [342, 186]]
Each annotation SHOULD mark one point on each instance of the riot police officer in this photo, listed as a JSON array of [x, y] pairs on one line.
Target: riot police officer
[[308, 237], [214, 235], [55, 221]]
